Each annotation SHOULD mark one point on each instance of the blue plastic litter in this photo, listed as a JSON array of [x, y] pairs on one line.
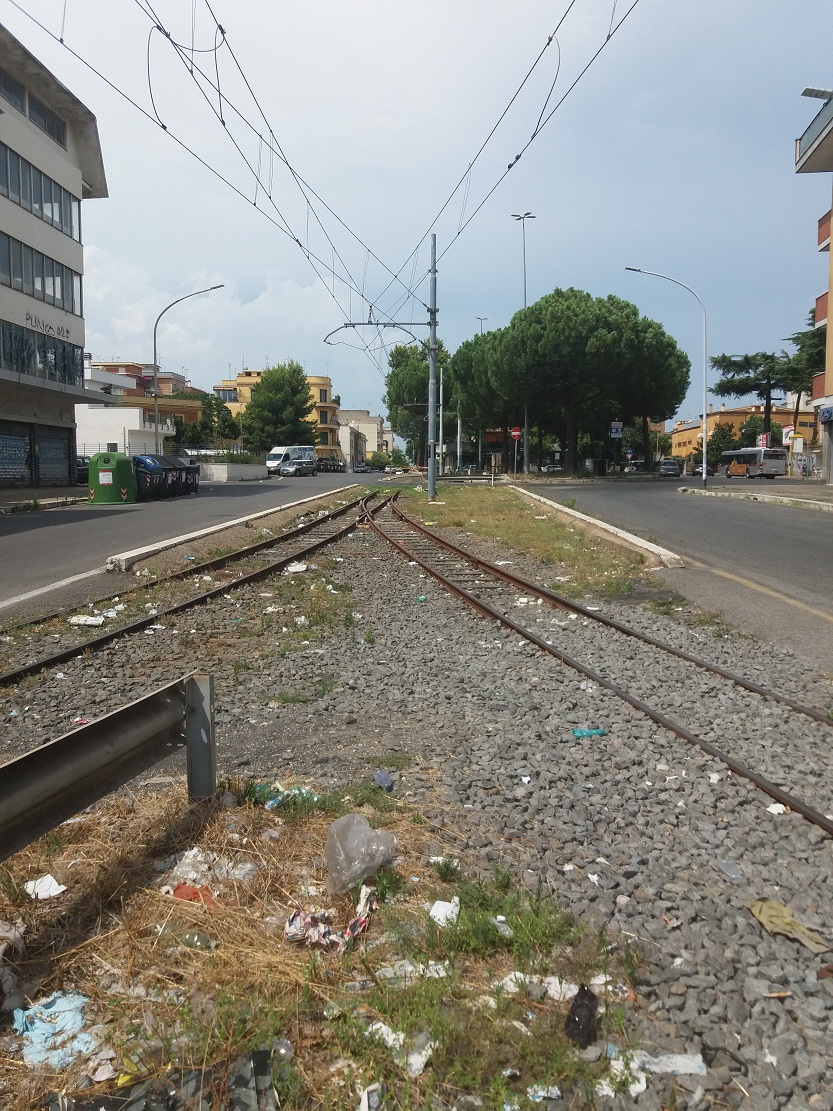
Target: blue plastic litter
[[53, 1030], [589, 733], [383, 780]]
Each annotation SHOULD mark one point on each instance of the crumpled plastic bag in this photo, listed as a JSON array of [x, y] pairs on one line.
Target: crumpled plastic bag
[[355, 851]]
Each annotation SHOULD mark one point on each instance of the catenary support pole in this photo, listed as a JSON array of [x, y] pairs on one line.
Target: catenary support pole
[[459, 444], [432, 375]]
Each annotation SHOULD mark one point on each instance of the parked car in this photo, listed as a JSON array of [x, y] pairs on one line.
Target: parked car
[[278, 456], [667, 468], [551, 468], [361, 468], [638, 467], [82, 469], [698, 470], [291, 468]]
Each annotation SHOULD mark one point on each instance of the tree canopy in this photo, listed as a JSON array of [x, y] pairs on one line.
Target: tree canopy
[[406, 394], [278, 409], [575, 363], [761, 374]]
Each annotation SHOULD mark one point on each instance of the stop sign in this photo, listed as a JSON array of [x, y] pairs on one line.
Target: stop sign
[[516, 433]]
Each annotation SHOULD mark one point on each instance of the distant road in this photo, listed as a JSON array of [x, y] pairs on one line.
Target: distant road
[[43, 547], [766, 567]]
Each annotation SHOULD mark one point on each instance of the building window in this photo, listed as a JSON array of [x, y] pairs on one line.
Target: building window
[[47, 120], [322, 396], [324, 437], [12, 90], [226, 395], [39, 276], [24, 184], [23, 351]]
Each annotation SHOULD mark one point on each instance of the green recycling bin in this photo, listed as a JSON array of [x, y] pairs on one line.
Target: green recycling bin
[[111, 479]]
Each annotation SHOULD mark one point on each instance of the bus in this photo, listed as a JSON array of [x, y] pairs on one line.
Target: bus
[[754, 462]]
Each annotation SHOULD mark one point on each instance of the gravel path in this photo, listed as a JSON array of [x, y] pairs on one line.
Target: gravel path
[[637, 830]]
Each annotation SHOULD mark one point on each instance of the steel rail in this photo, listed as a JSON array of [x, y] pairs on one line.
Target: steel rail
[[769, 788], [10, 678], [208, 565], [575, 607]]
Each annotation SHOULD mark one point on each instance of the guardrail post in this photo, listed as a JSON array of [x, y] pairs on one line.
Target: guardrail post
[[199, 736]]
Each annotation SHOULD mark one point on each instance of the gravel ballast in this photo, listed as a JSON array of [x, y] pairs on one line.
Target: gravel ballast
[[635, 830]]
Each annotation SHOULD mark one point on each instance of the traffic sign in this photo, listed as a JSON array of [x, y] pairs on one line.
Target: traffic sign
[[516, 433], [629, 452]]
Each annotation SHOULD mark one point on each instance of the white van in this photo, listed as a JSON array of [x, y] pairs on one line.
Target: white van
[[299, 459]]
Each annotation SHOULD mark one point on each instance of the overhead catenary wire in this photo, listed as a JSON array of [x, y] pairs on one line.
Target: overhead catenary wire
[[280, 223], [318, 264]]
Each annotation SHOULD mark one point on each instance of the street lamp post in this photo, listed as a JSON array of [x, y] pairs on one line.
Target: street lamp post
[[481, 319], [156, 368], [653, 274], [523, 217]]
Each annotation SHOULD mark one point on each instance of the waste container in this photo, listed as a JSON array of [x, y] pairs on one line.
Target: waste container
[[167, 476], [180, 467], [111, 479], [148, 475], [192, 477]]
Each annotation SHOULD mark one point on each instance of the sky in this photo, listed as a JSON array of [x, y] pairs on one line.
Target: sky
[[346, 132]]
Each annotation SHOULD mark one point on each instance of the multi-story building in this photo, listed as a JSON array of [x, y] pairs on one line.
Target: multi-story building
[[236, 393], [814, 155], [50, 160], [372, 428], [685, 435], [168, 381]]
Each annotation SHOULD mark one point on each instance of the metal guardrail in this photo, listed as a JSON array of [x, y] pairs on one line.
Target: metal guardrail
[[44, 787]]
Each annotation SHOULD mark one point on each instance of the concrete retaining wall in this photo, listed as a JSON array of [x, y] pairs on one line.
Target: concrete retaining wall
[[232, 472]]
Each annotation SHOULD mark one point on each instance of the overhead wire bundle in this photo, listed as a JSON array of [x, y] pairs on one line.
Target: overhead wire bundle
[[212, 67]]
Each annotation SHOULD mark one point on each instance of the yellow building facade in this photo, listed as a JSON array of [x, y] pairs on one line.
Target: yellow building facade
[[236, 393], [685, 435]]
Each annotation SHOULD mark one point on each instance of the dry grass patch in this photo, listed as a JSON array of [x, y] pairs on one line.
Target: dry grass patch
[[582, 564], [119, 938]]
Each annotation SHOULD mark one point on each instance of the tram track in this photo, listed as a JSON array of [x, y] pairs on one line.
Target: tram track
[[300, 542], [472, 579]]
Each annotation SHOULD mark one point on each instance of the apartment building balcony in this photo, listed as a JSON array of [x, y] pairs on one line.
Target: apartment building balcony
[[824, 232], [821, 310], [814, 150], [818, 391]]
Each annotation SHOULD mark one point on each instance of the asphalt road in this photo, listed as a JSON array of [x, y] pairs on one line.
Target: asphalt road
[[767, 568], [42, 548]]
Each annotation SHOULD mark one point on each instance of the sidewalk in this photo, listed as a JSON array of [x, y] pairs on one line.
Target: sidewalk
[[22, 498], [798, 492]]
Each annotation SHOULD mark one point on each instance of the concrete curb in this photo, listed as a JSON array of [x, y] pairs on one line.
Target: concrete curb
[[778, 499], [125, 560], [668, 559], [43, 503]]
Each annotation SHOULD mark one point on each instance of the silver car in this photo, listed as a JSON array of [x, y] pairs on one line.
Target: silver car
[[292, 468]]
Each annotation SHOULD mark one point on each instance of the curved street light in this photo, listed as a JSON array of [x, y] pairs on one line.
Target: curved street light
[[653, 274], [156, 368]]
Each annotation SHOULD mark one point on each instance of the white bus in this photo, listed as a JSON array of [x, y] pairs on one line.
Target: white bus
[[754, 462]]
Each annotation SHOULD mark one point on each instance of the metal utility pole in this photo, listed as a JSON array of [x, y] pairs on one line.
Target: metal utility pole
[[459, 444], [481, 319], [432, 374], [523, 219], [441, 464]]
